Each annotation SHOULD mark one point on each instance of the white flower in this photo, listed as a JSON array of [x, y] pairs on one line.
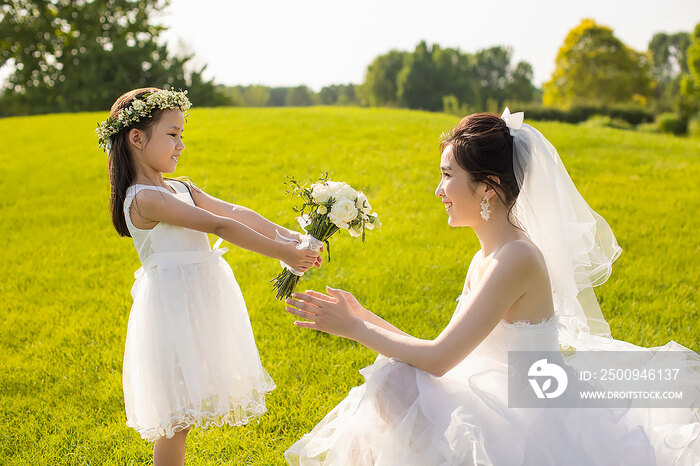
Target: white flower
[[362, 203], [138, 109], [355, 230], [342, 213], [320, 192], [340, 190], [372, 221]]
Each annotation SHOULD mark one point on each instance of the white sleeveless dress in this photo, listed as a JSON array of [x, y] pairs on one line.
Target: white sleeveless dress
[[404, 416], [190, 357]]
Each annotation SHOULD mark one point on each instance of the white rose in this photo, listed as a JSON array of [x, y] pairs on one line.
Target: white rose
[[342, 213], [340, 190], [362, 203], [349, 192], [320, 192]]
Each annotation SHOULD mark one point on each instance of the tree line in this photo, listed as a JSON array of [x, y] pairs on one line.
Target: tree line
[[429, 78], [72, 55]]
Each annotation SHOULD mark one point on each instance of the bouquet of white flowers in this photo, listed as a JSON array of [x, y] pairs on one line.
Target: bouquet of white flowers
[[328, 207]]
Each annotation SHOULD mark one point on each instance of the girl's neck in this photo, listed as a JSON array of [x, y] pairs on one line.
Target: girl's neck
[[153, 180]]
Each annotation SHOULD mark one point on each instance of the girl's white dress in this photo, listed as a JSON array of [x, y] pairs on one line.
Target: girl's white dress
[[404, 416], [190, 357]]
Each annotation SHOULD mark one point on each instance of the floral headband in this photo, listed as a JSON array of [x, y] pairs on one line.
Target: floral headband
[[162, 99]]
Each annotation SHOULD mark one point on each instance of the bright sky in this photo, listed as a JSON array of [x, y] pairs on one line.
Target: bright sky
[[321, 42]]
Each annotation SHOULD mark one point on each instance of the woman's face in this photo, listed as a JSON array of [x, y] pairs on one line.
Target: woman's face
[[164, 145], [462, 202]]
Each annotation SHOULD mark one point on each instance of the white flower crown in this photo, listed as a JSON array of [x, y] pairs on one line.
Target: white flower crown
[[138, 109]]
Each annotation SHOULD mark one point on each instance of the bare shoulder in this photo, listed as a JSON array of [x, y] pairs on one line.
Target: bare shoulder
[[157, 206], [521, 256]]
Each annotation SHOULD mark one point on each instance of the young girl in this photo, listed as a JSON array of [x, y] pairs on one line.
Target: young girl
[[190, 357]]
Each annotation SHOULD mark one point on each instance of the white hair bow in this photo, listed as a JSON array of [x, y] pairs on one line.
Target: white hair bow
[[514, 122]]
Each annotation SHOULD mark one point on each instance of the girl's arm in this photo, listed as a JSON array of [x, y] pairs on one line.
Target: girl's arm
[[154, 206], [507, 278], [242, 214]]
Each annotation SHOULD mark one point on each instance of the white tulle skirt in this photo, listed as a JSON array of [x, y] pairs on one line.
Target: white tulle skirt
[[190, 356], [404, 416]]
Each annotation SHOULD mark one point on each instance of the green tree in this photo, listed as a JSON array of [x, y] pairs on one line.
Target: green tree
[[299, 96], [71, 55], [434, 78], [520, 87], [418, 80], [669, 65], [256, 96], [595, 67], [456, 75], [688, 102], [380, 88], [492, 67], [431, 73], [338, 94], [278, 97]]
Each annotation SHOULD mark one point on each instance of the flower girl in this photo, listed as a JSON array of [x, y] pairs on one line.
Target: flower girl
[[190, 357]]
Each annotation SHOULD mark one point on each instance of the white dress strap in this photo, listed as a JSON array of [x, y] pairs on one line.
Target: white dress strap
[[131, 193]]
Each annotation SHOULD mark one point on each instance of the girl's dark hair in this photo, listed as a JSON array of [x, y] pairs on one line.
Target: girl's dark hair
[[482, 145], [120, 163]]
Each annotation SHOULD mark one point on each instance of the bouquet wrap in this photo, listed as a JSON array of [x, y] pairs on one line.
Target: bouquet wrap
[[307, 242]]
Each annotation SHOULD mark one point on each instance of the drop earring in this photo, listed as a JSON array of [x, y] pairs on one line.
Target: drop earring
[[485, 211]]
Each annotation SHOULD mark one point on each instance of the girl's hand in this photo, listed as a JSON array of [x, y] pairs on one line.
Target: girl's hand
[[299, 237], [299, 259], [330, 314], [319, 259]]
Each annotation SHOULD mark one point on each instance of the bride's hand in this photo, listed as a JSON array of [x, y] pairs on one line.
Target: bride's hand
[[330, 314], [358, 309]]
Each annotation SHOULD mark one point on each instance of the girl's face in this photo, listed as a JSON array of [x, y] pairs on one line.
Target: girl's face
[[164, 146], [462, 202]]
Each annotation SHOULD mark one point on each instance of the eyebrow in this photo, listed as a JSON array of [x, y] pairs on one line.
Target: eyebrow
[[445, 167], [175, 127]]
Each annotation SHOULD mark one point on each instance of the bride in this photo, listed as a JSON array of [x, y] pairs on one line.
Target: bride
[[529, 288]]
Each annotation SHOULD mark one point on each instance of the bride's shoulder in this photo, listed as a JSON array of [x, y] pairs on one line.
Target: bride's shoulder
[[520, 253]]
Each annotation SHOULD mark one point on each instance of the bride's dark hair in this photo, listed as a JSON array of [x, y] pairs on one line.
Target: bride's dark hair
[[482, 145]]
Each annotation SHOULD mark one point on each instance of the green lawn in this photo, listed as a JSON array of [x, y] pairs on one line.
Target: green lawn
[[66, 275]]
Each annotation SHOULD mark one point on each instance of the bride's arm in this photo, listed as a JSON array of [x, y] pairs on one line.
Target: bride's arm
[[359, 310], [506, 279]]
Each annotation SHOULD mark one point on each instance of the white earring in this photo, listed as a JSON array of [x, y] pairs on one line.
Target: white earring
[[485, 211]]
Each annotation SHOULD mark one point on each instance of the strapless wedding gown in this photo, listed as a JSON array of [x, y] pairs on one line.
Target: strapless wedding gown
[[402, 415]]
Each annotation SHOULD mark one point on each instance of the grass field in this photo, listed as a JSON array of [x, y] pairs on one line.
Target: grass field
[[66, 275]]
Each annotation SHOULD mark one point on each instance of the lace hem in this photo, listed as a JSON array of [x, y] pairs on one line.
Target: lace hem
[[547, 321], [234, 416]]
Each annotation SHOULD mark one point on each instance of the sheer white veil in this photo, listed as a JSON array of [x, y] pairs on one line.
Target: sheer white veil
[[578, 244]]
